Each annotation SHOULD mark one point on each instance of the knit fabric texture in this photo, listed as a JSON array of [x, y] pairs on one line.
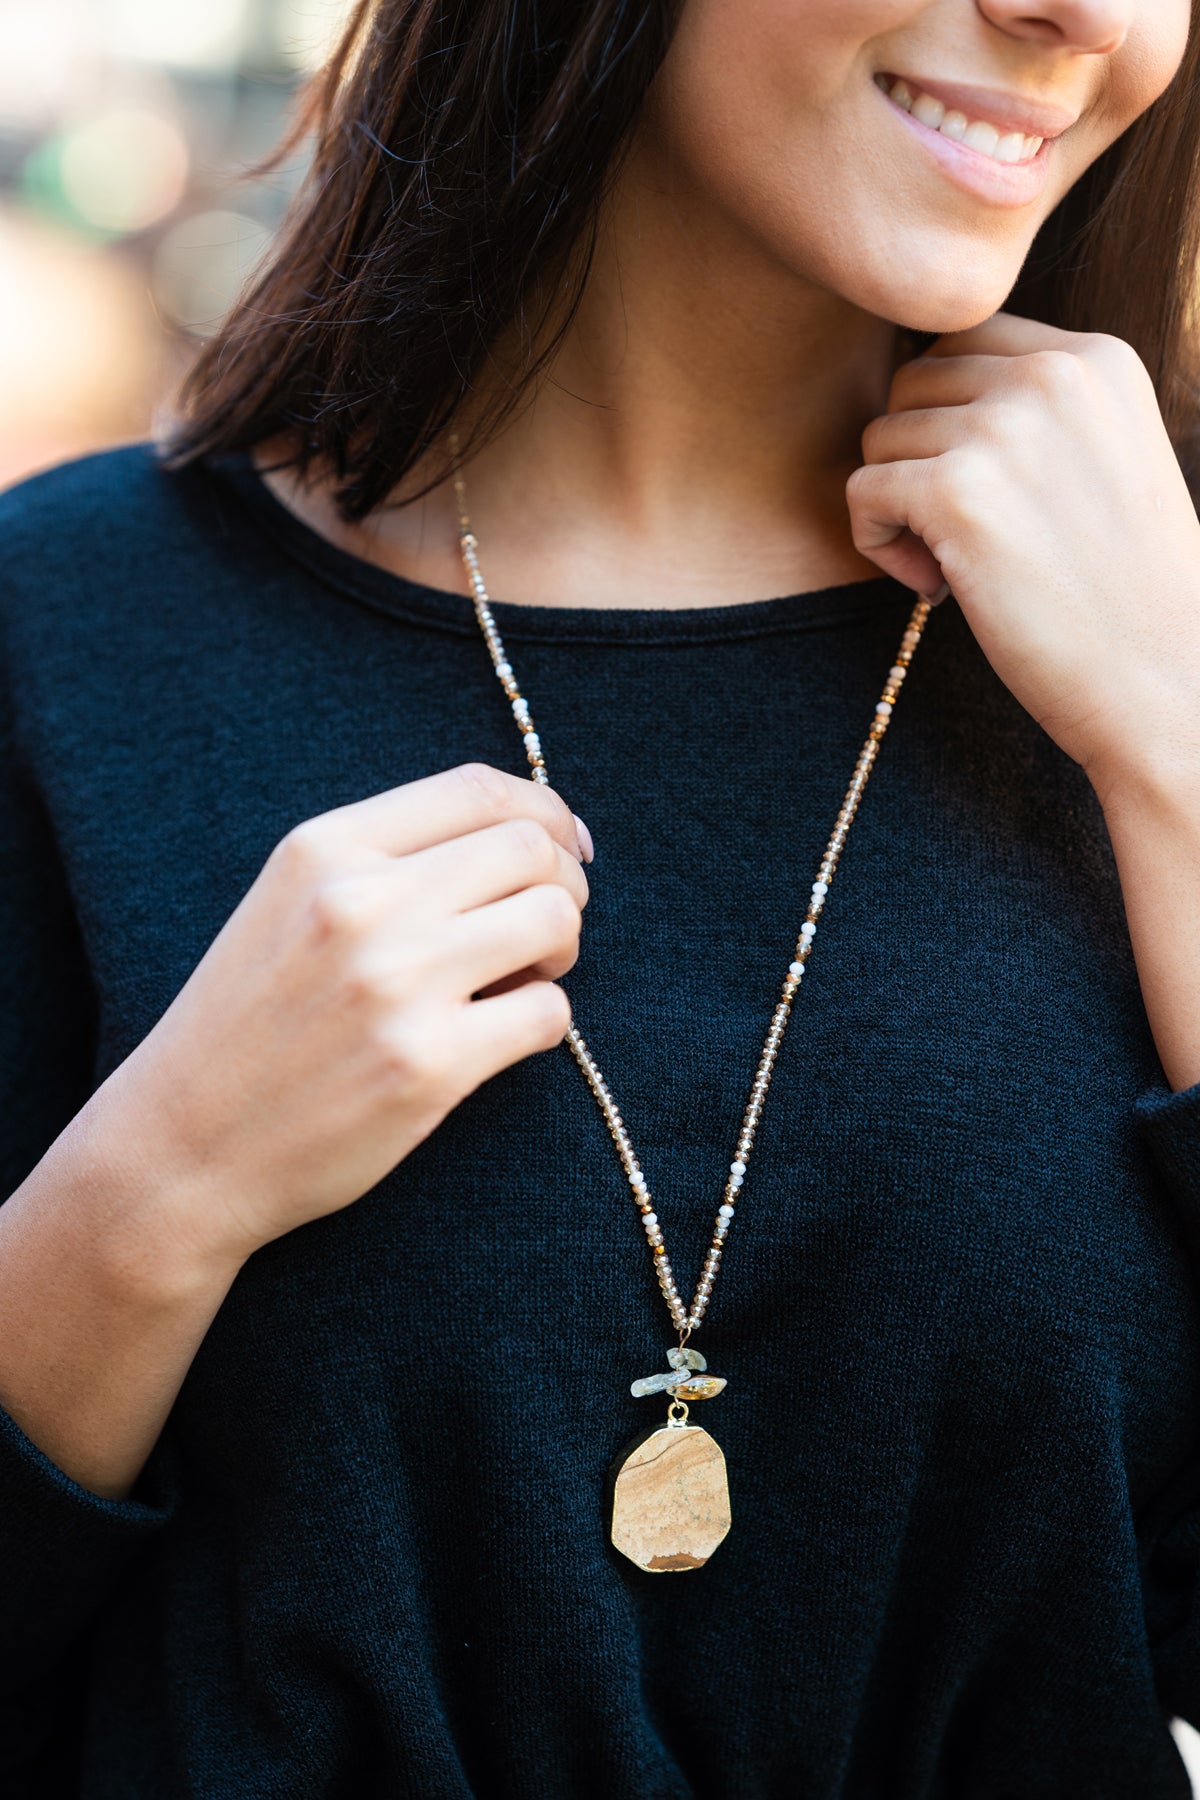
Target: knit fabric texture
[[958, 1311]]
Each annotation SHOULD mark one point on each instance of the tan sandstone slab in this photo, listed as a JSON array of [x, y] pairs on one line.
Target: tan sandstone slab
[[671, 1500]]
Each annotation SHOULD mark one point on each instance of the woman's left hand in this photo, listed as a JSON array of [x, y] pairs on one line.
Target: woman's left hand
[[1029, 468]]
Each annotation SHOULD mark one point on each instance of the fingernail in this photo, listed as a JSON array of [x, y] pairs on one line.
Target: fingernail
[[586, 848], [942, 594]]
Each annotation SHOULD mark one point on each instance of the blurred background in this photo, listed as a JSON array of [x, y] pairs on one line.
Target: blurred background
[[124, 229]]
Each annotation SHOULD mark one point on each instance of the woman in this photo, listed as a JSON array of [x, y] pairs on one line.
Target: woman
[[322, 1298]]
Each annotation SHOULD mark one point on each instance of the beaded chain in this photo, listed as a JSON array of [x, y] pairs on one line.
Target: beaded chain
[[687, 1320]]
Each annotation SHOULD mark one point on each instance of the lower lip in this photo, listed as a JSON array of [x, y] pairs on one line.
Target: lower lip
[[1002, 184]]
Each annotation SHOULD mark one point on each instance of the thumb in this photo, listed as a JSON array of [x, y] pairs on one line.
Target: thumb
[[879, 497]]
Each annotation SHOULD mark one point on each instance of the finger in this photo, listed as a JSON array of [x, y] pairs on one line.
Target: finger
[[905, 436], [507, 982], [886, 505], [1004, 334], [498, 1032], [488, 865], [406, 819], [536, 930], [949, 381]]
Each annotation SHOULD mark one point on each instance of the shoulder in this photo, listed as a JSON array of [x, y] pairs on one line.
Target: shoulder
[[116, 503], [113, 543]]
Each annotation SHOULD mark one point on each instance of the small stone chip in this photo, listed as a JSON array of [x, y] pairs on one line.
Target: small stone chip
[[699, 1387], [654, 1384]]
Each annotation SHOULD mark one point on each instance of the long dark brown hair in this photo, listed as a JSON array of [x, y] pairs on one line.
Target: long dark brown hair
[[461, 150]]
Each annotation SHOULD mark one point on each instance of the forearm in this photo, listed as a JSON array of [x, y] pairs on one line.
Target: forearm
[[105, 1296], [1152, 810]]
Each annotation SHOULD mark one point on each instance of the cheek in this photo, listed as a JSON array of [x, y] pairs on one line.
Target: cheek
[[767, 115], [757, 96], [769, 63], [1149, 60], [1137, 77]]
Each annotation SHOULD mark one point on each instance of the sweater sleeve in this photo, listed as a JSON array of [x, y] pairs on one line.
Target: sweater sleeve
[[1170, 1127], [1170, 1124], [62, 1548]]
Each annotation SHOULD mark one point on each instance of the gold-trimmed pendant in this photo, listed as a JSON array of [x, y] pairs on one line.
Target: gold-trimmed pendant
[[670, 1496]]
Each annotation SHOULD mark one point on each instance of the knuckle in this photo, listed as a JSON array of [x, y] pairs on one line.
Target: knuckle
[[1003, 419], [305, 850], [363, 983], [339, 908], [558, 912], [566, 818], [873, 438], [1107, 343], [534, 846], [963, 474], [551, 1013], [1058, 373], [480, 779], [1116, 354], [903, 381], [959, 487], [415, 1056], [857, 484]]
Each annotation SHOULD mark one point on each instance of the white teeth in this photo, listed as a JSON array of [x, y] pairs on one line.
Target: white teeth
[[976, 134], [979, 135]]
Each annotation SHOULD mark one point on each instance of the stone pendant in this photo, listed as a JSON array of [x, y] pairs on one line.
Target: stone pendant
[[670, 1505]]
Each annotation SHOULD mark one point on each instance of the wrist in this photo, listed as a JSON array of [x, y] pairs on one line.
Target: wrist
[[154, 1235], [1156, 774]]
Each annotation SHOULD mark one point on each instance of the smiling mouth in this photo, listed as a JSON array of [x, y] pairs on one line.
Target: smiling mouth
[[976, 134]]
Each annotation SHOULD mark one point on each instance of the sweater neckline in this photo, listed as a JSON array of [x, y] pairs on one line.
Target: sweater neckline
[[844, 604]]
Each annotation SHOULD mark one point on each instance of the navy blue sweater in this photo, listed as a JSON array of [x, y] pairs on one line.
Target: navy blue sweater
[[958, 1316]]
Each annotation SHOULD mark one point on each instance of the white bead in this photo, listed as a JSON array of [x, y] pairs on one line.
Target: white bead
[[649, 1220], [532, 741], [504, 670], [821, 888], [735, 1182], [737, 1168], [896, 672], [808, 929], [796, 969], [725, 1211], [884, 708]]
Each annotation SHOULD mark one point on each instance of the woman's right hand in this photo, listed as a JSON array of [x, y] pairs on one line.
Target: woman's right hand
[[391, 956]]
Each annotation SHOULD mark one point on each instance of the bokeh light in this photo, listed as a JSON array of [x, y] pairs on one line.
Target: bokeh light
[[201, 264], [189, 34], [126, 226], [124, 170]]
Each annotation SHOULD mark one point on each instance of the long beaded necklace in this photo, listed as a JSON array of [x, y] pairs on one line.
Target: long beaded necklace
[[669, 1488]]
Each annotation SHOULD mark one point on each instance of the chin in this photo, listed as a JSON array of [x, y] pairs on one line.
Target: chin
[[937, 298]]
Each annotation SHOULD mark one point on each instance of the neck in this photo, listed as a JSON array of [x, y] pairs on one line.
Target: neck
[[691, 441]]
